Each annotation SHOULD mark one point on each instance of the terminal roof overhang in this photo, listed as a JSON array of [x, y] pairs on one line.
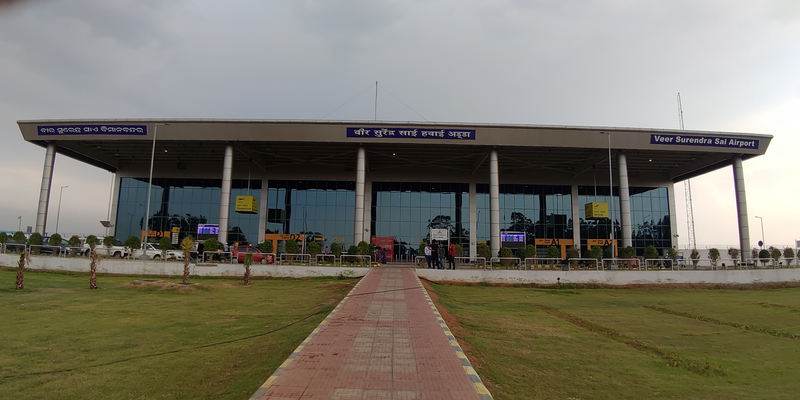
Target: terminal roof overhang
[[278, 143]]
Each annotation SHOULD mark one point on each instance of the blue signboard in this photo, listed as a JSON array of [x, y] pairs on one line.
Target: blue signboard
[[711, 141], [411, 133], [92, 130]]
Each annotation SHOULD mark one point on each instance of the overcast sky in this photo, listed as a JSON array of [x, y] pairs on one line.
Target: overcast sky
[[616, 63]]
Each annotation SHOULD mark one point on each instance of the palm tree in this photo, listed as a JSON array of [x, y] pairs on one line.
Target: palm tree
[[187, 245], [95, 258], [248, 259], [24, 257]]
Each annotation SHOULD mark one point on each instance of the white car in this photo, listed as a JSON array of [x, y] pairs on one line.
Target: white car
[[155, 254]]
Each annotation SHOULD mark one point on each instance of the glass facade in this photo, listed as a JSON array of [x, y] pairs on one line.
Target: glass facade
[[404, 211], [322, 210], [407, 212], [541, 211], [183, 203], [650, 223]]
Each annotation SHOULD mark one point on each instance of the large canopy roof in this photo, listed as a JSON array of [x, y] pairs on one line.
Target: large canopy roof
[[672, 154]]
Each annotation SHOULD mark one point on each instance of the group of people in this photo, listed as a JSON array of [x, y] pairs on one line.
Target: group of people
[[436, 253]]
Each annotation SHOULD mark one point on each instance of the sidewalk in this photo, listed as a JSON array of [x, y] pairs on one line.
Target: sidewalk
[[384, 341]]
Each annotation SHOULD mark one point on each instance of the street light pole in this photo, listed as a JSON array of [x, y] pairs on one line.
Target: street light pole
[[762, 230], [611, 193], [20, 223], [58, 214], [149, 189]]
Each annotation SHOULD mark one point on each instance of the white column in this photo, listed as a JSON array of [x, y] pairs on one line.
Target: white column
[[361, 172], [225, 194], [741, 207], [624, 200], [368, 234], [44, 193], [576, 218], [494, 202], [473, 222], [673, 216], [263, 210], [115, 206]]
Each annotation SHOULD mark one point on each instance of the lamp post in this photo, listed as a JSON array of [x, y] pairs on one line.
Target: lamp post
[[762, 230], [58, 214], [20, 223], [149, 189], [611, 193]]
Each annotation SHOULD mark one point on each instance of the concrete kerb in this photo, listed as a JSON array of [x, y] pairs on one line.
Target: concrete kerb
[[468, 369], [263, 389]]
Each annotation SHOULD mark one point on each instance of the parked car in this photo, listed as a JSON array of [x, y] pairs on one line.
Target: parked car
[[118, 250], [155, 254], [47, 249], [239, 252]]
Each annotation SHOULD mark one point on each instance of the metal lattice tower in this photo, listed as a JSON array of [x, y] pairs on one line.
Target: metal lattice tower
[[687, 185]]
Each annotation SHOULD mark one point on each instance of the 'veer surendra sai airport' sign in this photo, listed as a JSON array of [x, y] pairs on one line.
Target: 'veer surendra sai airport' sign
[[411, 133], [92, 130], [712, 141]]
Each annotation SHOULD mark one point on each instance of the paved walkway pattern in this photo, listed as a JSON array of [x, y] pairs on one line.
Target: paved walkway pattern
[[385, 340]]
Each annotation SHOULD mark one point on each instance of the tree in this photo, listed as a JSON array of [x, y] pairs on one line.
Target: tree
[[573, 252], [248, 259], [164, 244], [91, 241], [713, 254], [352, 250], [94, 259], [695, 258], [266, 247], [211, 244], [553, 252], [763, 256], [336, 249], [484, 251], [19, 237], [650, 252], [24, 257], [55, 240], [734, 253], [364, 248], [788, 254], [35, 240], [775, 253], [74, 245], [3, 240], [627, 252], [109, 242], [187, 245], [314, 249], [672, 254], [132, 243], [292, 247], [505, 252], [596, 252]]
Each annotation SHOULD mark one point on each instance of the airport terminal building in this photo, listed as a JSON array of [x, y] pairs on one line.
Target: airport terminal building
[[391, 183]]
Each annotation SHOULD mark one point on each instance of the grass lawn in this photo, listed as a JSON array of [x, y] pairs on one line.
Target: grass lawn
[[216, 340], [630, 343]]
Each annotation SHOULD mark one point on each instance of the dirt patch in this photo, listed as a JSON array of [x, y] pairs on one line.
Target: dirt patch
[[704, 286]]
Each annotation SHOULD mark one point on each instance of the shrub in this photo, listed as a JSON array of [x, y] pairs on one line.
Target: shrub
[[714, 255], [109, 241], [36, 240], [74, 244], [484, 251], [788, 254], [607, 252], [132, 242], [352, 250], [91, 241], [292, 247], [553, 252], [573, 252], [19, 237], [55, 240], [695, 258], [596, 252], [266, 247], [764, 256], [506, 252], [672, 253], [365, 249], [459, 250], [165, 243], [336, 249], [775, 253], [627, 252], [422, 247], [211, 244], [650, 252], [734, 253], [314, 249]]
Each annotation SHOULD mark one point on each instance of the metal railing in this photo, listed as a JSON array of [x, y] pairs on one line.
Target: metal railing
[[578, 261], [658, 262], [359, 259], [506, 261], [225, 256], [324, 257], [292, 258], [626, 263], [474, 262], [543, 263]]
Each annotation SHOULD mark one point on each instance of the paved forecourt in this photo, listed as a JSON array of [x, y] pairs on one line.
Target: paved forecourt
[[385, 340]]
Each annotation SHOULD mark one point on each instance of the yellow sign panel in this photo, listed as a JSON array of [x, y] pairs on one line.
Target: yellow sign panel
[[596, 210], [247, 204], [176, 229]]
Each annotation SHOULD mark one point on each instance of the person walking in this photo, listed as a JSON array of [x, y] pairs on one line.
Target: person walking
[[442, 255], [451, 255], [435, 254], [428, 254]]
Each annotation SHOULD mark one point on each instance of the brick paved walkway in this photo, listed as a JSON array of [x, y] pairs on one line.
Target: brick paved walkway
[[384, 341]]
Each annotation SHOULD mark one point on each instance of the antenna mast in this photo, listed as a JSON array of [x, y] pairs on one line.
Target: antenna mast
[[376, 100], [687, 185]]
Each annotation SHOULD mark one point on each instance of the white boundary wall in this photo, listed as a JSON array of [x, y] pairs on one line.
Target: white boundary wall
[[611, 277], [175, 268]]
